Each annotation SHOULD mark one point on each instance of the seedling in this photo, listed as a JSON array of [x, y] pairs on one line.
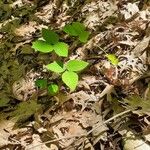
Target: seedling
[[77, 29], [52, 88], [69, 70], [111, 57]]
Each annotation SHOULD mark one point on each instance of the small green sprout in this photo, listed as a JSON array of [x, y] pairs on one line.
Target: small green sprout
[[77, 29], [52, 88], [113, 59], [69, 75], [41, 83]]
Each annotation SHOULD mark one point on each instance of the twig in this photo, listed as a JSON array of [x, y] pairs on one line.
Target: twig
[[108, 89], [55, 140], [83, 135], [108, 120], [101, 49]]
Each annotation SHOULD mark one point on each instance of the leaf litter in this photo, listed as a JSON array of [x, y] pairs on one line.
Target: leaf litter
[[120, 28]]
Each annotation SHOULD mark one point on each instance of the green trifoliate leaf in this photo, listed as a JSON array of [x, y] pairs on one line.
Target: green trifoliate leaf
[[84, 36], [55, 67], [113, 59], [76, 65], [77, 29], [42, 46], [61, 49], [50, 36], [52, 89], [41, 83], [70, 79], [74, 29]]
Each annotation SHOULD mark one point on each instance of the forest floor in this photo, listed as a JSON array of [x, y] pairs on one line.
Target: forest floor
[[109, 109]]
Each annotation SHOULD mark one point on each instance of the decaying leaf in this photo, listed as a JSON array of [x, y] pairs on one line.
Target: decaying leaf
[[136, 102], [120, 28], [24, 88], [129, 10], [21, 113], [133, 142], [72, 121], [4, 135], [37, 144]]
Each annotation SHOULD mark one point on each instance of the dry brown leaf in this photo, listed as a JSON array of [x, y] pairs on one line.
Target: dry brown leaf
[[37, 144], [132, 142], [26, 29], [141, 46], [97, 12], [129, 10], [4, 135]]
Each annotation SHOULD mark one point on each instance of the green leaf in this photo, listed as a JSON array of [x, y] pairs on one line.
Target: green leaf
[[42, 46], [70, 30], [61, 49], [76, 65], [55, 67], [78, 27], [84, 36], [74, 29], [50, 36], [52, 89], [41, 83], [113, 59], [70, 79]]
